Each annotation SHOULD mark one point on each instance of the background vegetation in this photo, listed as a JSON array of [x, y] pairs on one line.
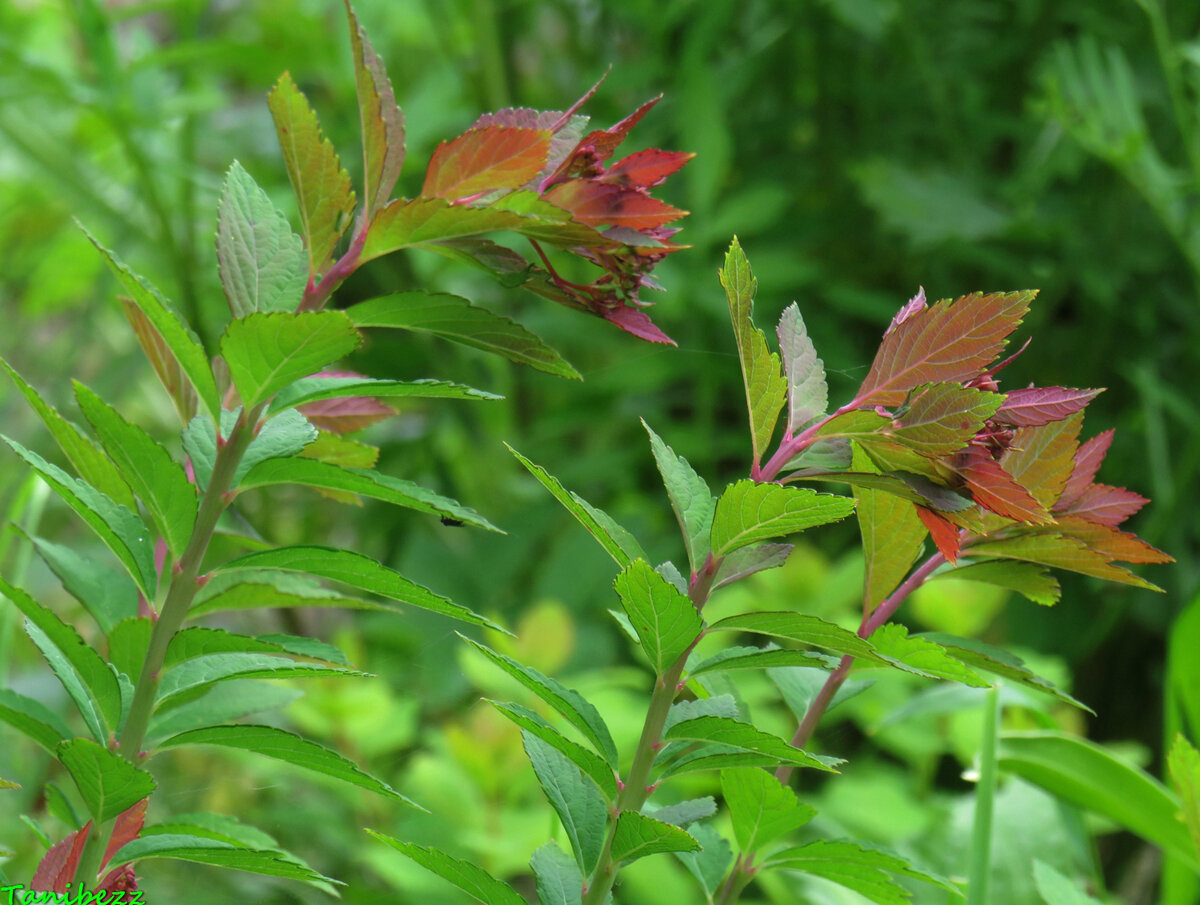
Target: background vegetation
[[859, 148]]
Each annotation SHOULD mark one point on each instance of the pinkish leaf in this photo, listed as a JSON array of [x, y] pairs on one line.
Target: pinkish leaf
[[1103, 505], [598, 204], [125, 829], [1033, 406], [58, 866], [944, 533], [485, 160], [914, 305], [122, 879], [1110, 541], [636, 322], [1087, 462], [996, 490], [345, 414], [646, 168]]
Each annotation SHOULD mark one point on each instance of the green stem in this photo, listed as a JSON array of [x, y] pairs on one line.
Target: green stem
[[985, 799], [27, 506]]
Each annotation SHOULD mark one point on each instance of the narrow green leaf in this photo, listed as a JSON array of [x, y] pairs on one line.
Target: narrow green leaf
[[288, 747], [322, 187], [579, 804], [755, 658], [666, 621], [267, 351], [315, 389], [921, 656], [737, 737], [79, 693], [279, 437], [398, 492], [709, 865], [457, 320], [218, 853], [91, 464], [1027, 579], [1084, 774], [637, 836], [761, 807], [616, 541], [120, 529], [892, 536], [593, 766], [801, 628], [171, 328], [685, 812], [559, 880], [223, 703], [261, 261], [748, 512], [107, 782], [569, 704], [807, 390], [472, 880], [691, 500], [257, 589], [196, 641], [127, 645], [200, 672], [105, 592], [1183, 762], [745, 561], [357, 571], [723, 705], [33, 719], [158, 479], [339, 450]]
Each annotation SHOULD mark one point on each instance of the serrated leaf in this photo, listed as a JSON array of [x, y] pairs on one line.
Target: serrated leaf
[[918, 655], [754, 658], [594, 767], [289, 748], [746, 561], [1034, 406], [33, 719], [1102, 504], [219, 853], [691, 500], [267, 351], [996, 490], [559, 880], [77, 691], [405, 223], [107, 782], [357, 571], [127, 645], [808, 392], [105, 592], [199, 672], [382, 120], [155, 477], [223, 703], [579, 804], [120, 529], [666, 621], [166, 365], [892, 537], [1027, 579], [737, 737], [485, 160], [262, 263], [637, 836], [945, 343], [61, 862], [91, 464], [600, 204], [398, 492], [472, 880], [723, 705], [616, 541], [171, 329], [257, 589], [1088, 458], [802, 628], [315, 389], [569, 704], [761, 808], [456, 319], [939, 418], [99, 691], [711, 863], [1041, 458], [279, 437], [322, 187], [1059, 552], [748, 512], [862, 869]]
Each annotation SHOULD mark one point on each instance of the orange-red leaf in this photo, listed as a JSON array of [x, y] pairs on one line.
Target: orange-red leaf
[[599, 204], [126, 828], [486, 160], [1111, 541], [995, 489], [646, 168], [1104, 505], [946, 342], [1060, 552], [1033, 406], [944, 533], [1087, 462], [58, 866]]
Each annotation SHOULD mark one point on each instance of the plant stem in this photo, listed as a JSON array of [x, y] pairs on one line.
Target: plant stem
[[985, 799], [317, 294]]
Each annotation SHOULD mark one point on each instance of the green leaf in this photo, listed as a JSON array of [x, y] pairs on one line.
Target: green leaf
[[107, 782], [267, 351], [666, 621], [171, 328], [472, 880], [315, 389], [127, 645], [711, 863], [223, 703], [105, 592], [158, 479], [33, 719], [637, 836], [761, 807], [196, 641], [864, 870], [91, 464], [559, 880], [456, 319], [261, 261], [85, 701], [800, 628], [1086, 775], [1183, 762], [766, 388], [199, 672], [579, 804], [398, 492], [1057, 889], [616, 541], [745, 561], [690, 497], [1027, 579], [684, 812], [382, 120], [202, 850], [322, 187], [808, 392], [120, 529], [405, 223], [921, 656], [357, 571], [892, 536], [1058, 552], [99, 692], [748, 512], [253, 590], [737, 737], [723, 705], [288, 747], [569, 704], [593, 766], [754, 658], [339, 450], [939, 418], [279, 437]]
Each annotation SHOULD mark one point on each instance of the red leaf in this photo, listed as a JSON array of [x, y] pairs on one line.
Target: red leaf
[[944, 533], [1110, 541], [122, 879], [1034, 406], [605, 141], [995, 489], [646, 168], [58, 866], [126, 828], [636, 322], [944, 343], [1104, 505], [1087, 462], [484, 160], [597, 204]]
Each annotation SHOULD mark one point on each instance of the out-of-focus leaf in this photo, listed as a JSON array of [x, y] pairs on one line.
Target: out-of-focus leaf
[[106, 592], [761, 808], [472, 880], [219, 853], [559, 880], [594, 767], [33, 719]]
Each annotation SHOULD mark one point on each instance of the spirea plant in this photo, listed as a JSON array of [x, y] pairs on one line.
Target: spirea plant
[[149, 677]]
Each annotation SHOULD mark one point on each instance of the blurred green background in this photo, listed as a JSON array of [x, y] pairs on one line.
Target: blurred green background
[[858, 148]]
